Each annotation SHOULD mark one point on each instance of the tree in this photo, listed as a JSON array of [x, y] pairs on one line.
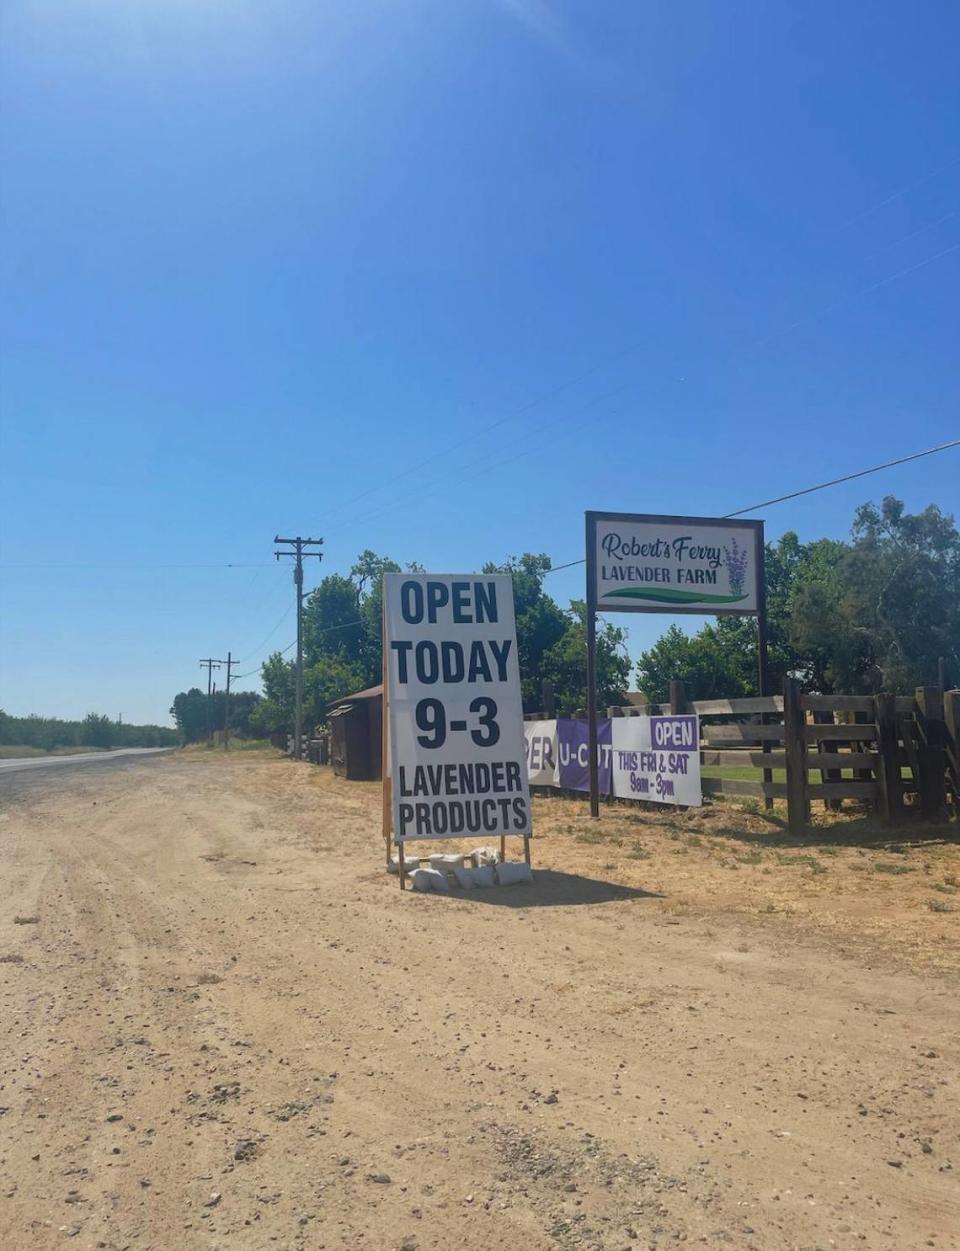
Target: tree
[[706, 663], [190, 712], [329, 679], [871, 614], [889, 607], [97, 730], [541, 622], [332, 625], [368, 574], [565, 663]]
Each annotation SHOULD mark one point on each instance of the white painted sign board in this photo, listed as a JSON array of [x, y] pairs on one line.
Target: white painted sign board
[[657, 759], [454, 707], [675, 564]]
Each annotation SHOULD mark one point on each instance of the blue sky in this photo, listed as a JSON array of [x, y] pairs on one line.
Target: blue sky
[[260, 261]]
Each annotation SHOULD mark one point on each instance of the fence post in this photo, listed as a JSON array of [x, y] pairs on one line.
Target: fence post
[[933, 758], [951, 717], [888, 746], [798, 807], [678, 699], [548, 700]]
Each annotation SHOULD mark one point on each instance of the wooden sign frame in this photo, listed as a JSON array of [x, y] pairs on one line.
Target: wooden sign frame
[[386, 814]]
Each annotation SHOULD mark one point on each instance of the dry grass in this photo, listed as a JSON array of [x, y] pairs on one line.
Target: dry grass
[[849, 876]]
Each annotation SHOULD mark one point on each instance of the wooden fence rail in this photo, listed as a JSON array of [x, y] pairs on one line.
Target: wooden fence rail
[[873, 749]]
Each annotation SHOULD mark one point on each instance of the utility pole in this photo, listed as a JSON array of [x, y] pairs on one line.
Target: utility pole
[[298, 544], [211, 665], [231, 665]]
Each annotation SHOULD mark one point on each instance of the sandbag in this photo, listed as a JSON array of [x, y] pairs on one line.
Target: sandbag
[[420, 880], [435, 879], [483, 876], [410, 863], [509, 874], [446, 863], [464, 876], [484, 855]]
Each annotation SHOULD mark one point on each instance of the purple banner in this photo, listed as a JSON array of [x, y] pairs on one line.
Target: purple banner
[[573, 752]]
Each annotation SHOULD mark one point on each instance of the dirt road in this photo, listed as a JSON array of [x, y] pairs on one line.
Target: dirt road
[[222, 1026]]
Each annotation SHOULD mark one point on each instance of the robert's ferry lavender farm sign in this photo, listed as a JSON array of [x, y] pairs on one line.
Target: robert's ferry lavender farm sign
[[675, 564]]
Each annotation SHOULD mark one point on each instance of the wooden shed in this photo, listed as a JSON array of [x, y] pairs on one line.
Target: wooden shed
[[356, 724]]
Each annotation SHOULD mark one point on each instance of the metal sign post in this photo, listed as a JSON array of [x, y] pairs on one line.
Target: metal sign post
[[593, 745], [645, 562]]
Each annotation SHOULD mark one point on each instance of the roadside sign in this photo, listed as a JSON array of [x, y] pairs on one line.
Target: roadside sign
[[647, 563], [454, 709]]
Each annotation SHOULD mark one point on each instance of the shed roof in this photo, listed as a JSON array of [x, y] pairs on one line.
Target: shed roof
[[372, 692]]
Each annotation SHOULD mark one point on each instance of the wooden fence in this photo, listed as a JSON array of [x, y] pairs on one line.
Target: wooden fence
[[874, 749]]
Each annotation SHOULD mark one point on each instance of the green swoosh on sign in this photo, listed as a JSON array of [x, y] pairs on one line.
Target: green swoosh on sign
[[673, 597]]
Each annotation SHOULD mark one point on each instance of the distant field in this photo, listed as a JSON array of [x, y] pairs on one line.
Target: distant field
[[14, 752]]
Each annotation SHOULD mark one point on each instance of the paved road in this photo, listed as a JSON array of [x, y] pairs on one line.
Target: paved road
[[81, 758]]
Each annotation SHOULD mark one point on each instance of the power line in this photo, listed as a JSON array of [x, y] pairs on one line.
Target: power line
[[83, 564], [861, 473], [254, 651], [629, 349]]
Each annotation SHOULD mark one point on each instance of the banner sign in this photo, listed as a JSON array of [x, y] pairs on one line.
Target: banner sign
[[573, 755], [650, 758], [455, 711], [657, 758], [540, 745], [646, 563]]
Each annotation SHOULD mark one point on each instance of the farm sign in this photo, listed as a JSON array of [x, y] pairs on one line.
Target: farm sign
[[455, 713], [643, 563], [650, 758]]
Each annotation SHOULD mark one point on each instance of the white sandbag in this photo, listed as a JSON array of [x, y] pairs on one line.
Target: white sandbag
[[420, 880], [485, 855], [464, 876], [446, 863], [410, 863], [435, 879], [483, 876], [509, 874]]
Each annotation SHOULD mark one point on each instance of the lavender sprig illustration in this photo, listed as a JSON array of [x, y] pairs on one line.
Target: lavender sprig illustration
[[736, 565]]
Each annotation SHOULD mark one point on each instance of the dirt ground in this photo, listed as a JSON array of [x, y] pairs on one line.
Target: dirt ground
[[223, 1026]]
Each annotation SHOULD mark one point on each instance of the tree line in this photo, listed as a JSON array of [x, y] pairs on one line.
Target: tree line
[[343, 646], [95, 730], [874, 612]]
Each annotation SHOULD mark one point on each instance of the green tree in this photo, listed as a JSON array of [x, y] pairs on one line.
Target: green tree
[[332, 625], [565, 663], [190, 713], [97, 730], [870, 614], [331, 678], [541, 622], [881, 616], [706, 663], [368, 575]]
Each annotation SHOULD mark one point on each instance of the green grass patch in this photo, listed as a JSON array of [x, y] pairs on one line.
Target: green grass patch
[[888, 866], [802, 862], [590, 836]]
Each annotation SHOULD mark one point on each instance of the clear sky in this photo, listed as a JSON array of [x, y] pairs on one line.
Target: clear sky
[[283, 267]]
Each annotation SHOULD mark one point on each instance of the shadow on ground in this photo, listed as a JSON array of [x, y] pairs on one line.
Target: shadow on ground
[[550, 889]]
